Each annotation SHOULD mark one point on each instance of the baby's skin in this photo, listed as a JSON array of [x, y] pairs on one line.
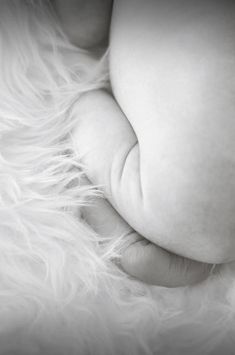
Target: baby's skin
[[165, 152], [173, 75]]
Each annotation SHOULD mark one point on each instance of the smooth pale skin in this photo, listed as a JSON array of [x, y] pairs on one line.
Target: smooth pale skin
[[169, 169], [103, 138], [172, 70], [170, 174]]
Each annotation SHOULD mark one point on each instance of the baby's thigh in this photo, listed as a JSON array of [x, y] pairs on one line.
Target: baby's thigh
[[173, 58], [172, 71]]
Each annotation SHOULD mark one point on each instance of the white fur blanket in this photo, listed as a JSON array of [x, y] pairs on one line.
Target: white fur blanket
[[60, 291]]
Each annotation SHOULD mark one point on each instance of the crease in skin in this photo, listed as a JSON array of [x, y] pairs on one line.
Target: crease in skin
[[125, 159], [104, 219], [179, 67], [124, 169], [103, 151], [128, 156], [104, 155], [140, 177]]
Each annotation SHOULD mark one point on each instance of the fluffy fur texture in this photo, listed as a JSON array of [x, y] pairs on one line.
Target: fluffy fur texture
[[60, 289]]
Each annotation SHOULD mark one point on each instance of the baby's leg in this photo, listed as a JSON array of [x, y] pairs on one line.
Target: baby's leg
[[172, 72], [172, 176], [105, 138]]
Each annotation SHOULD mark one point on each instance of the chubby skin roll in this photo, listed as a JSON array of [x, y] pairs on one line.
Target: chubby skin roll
[[172, 71], [167, 162], [104, 140]]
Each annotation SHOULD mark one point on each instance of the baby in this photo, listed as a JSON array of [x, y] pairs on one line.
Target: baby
[[164, 148]]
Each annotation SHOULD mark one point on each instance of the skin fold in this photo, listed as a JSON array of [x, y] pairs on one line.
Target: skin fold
[[104, 138], [177, 90], [163, 150]]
